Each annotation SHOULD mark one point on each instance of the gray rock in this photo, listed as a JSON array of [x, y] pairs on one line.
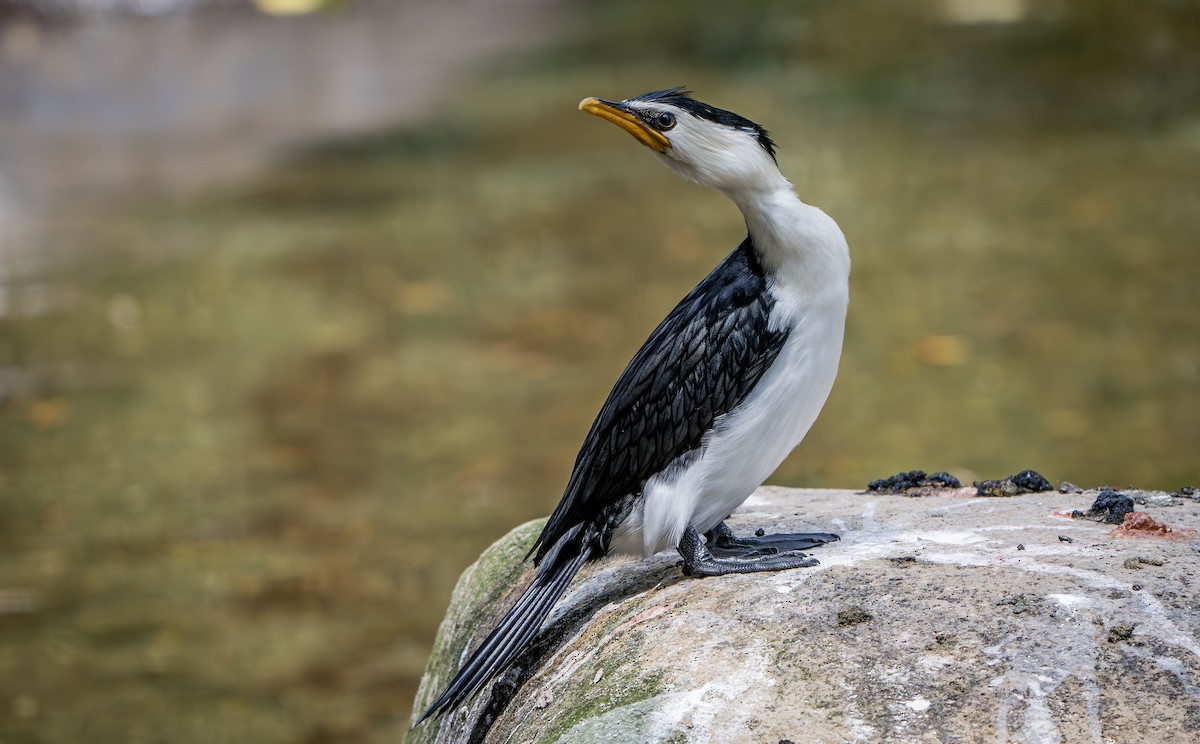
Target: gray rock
[[1155, 499], [912, 629]]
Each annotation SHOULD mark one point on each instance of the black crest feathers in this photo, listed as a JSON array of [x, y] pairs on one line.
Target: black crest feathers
[[679, 96]]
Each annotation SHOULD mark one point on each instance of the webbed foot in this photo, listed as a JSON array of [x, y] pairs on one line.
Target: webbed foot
[[724, 544], [699, 560]]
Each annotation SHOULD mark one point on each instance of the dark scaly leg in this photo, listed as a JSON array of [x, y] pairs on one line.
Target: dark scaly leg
[[699, 561]]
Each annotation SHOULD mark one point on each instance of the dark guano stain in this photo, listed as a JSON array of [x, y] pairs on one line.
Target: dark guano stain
[[1109, 507], [913, 479]]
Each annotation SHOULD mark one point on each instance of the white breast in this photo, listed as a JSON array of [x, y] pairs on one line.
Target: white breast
[[750, 442]]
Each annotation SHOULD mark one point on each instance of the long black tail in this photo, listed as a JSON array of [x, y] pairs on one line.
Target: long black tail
[[518, 626]]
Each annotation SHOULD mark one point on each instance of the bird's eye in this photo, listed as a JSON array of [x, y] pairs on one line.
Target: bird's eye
[[664, 120]]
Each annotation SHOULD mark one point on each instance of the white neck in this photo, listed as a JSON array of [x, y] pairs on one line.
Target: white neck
[[797, 243]]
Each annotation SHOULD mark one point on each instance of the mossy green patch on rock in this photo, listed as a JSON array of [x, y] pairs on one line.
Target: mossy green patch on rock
[[617, 697], [475, 605]]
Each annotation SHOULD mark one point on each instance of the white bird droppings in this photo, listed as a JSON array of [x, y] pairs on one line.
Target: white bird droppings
[[917, 705], [1071, 601]]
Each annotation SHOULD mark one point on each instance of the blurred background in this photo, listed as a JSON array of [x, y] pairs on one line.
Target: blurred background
[[303, 304]]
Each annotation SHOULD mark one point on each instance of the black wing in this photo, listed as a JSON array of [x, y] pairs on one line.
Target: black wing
[[701, 362]]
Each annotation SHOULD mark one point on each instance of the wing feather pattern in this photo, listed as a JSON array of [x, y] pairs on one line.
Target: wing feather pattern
[[699, 364]]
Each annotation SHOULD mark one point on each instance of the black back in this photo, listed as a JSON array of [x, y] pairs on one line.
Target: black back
[[699, 364]]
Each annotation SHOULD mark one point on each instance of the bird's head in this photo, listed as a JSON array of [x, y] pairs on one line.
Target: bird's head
[[702, 143]]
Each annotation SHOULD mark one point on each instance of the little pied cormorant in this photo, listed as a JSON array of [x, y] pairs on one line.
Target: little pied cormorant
[[721, 392]]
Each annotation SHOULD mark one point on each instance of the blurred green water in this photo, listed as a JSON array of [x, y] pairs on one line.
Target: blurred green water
[[248, 451]]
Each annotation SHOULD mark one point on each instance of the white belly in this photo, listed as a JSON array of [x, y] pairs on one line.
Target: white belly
[[747, 444]]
